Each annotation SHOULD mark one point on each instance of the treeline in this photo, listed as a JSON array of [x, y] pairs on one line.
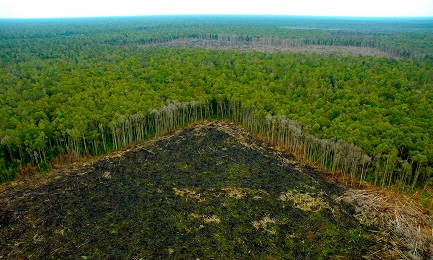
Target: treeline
[[333, 155], [70, 145]]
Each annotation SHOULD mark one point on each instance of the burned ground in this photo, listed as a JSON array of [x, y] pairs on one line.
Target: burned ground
[[207, 191]]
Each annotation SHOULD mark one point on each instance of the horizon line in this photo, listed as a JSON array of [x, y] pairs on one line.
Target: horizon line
[[222, 14]]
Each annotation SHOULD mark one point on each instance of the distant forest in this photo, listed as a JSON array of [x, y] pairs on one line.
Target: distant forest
[[346, 94]]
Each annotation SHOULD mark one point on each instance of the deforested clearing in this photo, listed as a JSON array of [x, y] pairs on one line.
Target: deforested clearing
[[272, 47], [209, 190]]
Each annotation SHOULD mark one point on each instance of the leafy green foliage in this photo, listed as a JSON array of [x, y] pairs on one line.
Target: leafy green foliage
[[69, 85]]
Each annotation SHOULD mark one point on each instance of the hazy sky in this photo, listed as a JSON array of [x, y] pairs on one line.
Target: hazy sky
[[86, 8]]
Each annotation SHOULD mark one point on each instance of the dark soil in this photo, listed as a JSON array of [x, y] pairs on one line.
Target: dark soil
[[208, 191]]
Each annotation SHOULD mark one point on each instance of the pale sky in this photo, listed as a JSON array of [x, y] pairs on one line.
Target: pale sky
[[92, 8]]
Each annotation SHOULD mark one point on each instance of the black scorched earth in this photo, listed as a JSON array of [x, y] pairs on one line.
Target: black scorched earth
[[207, 191]]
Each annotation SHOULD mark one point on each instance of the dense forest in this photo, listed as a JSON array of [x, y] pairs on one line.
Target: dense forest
[[72, 88]]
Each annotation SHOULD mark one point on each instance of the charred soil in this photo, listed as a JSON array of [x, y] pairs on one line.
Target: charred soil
[[206, 191]]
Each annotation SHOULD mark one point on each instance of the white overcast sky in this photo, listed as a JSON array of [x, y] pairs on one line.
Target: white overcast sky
[[91, 8]]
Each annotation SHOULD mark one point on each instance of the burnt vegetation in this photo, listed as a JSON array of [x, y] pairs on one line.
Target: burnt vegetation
[[203, 192]]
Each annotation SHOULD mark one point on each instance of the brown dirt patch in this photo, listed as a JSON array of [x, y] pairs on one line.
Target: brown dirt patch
[[251, 46]]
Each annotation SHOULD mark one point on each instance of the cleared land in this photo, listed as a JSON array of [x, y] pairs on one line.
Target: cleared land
[[207, 191], [252, 46]]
